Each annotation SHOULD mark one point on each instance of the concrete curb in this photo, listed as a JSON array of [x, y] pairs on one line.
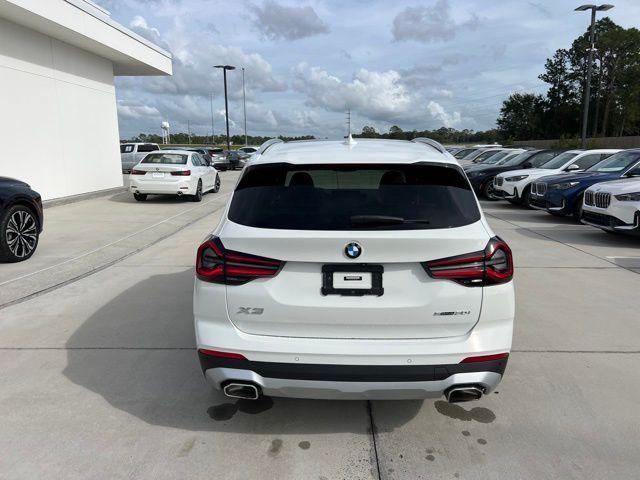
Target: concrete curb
[[83, 196]]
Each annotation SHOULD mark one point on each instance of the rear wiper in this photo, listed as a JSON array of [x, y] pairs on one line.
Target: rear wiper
[[383, 220]]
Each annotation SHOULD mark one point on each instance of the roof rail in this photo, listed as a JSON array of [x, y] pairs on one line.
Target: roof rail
[[432, 143], [269, 143]]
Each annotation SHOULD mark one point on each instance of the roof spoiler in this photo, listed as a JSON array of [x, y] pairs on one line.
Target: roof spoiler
[[432, 143], [263, 148]]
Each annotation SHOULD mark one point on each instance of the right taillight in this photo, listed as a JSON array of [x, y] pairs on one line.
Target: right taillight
[[491, 266], [216, 264]]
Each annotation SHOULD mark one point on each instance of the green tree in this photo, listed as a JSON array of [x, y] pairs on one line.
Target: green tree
[[520, 117]]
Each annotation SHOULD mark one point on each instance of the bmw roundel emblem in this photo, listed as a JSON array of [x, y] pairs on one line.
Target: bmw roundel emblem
[[352, 250]]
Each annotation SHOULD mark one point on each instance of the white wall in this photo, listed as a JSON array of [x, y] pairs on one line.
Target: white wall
[[58, 118]]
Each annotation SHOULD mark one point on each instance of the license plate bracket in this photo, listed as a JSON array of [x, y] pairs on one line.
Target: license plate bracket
[[352, 270]]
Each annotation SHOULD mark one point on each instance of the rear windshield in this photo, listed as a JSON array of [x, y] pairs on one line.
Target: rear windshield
[[166, 158], [363, 197]]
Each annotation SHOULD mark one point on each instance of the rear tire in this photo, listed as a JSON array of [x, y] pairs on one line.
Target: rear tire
[[216, 187], [198, 196], [19, 234], [140, 197]]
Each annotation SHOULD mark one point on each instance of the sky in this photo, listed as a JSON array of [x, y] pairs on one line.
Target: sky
[[416, 64]]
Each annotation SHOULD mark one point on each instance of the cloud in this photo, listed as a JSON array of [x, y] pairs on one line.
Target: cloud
[[438, 113], [428, 24], [193, 72], [281, 22], [137, 111], [544, 11], [139, 25], [374, 96], [377, 95]]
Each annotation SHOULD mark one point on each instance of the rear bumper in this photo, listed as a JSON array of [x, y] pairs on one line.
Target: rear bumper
[[349, 382], [186, 187]]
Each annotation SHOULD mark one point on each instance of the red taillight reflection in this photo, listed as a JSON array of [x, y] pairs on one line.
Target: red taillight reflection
[[492, 266], [216, 264], [485, 358], [216, 353]]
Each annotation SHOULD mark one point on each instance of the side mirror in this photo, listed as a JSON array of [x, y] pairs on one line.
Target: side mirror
[[572, 168], [633, 173]]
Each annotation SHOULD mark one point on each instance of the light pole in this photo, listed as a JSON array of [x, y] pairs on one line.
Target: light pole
[[226, 103], [244, 107], [587, 87], [213, 138]]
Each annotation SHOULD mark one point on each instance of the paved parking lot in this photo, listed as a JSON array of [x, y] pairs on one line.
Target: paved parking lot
[[100, 378]]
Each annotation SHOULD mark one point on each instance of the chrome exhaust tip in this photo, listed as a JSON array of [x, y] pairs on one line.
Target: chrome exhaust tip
[[464, 393], [179, 193], [248, 391]]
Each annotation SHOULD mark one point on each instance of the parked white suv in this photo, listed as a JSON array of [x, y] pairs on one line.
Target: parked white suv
[[354, 270], [515, 185], [613, 206], [132, 153]]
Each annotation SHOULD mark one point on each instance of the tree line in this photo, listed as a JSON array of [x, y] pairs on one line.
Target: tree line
[[444, 135], [615, 90]]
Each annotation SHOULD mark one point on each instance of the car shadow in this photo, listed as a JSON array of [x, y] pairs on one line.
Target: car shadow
[[138, 353], [126, 197]]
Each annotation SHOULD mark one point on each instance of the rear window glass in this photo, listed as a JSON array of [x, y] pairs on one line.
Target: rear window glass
[[126, 148], [148, 147], [166, 158], [347, 197]]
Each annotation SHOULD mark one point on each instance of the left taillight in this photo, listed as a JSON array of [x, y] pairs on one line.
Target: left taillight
[[138, 172], [493, 265], [216, 264]]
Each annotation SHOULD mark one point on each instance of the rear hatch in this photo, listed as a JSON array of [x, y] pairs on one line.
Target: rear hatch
[[391, 217]]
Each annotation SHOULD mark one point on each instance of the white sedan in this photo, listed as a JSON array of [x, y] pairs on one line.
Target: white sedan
[[613, 206], [173, 172]]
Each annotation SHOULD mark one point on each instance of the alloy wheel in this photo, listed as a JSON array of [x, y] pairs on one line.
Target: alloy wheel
[[21, 234]]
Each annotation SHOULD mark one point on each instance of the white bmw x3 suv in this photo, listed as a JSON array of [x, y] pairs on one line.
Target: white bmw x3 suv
[[347, 270]]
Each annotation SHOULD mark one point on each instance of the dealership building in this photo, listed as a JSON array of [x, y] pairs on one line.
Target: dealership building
[[58, 115]]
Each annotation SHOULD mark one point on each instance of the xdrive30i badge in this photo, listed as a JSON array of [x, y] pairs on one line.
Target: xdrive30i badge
[[455, 312]]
